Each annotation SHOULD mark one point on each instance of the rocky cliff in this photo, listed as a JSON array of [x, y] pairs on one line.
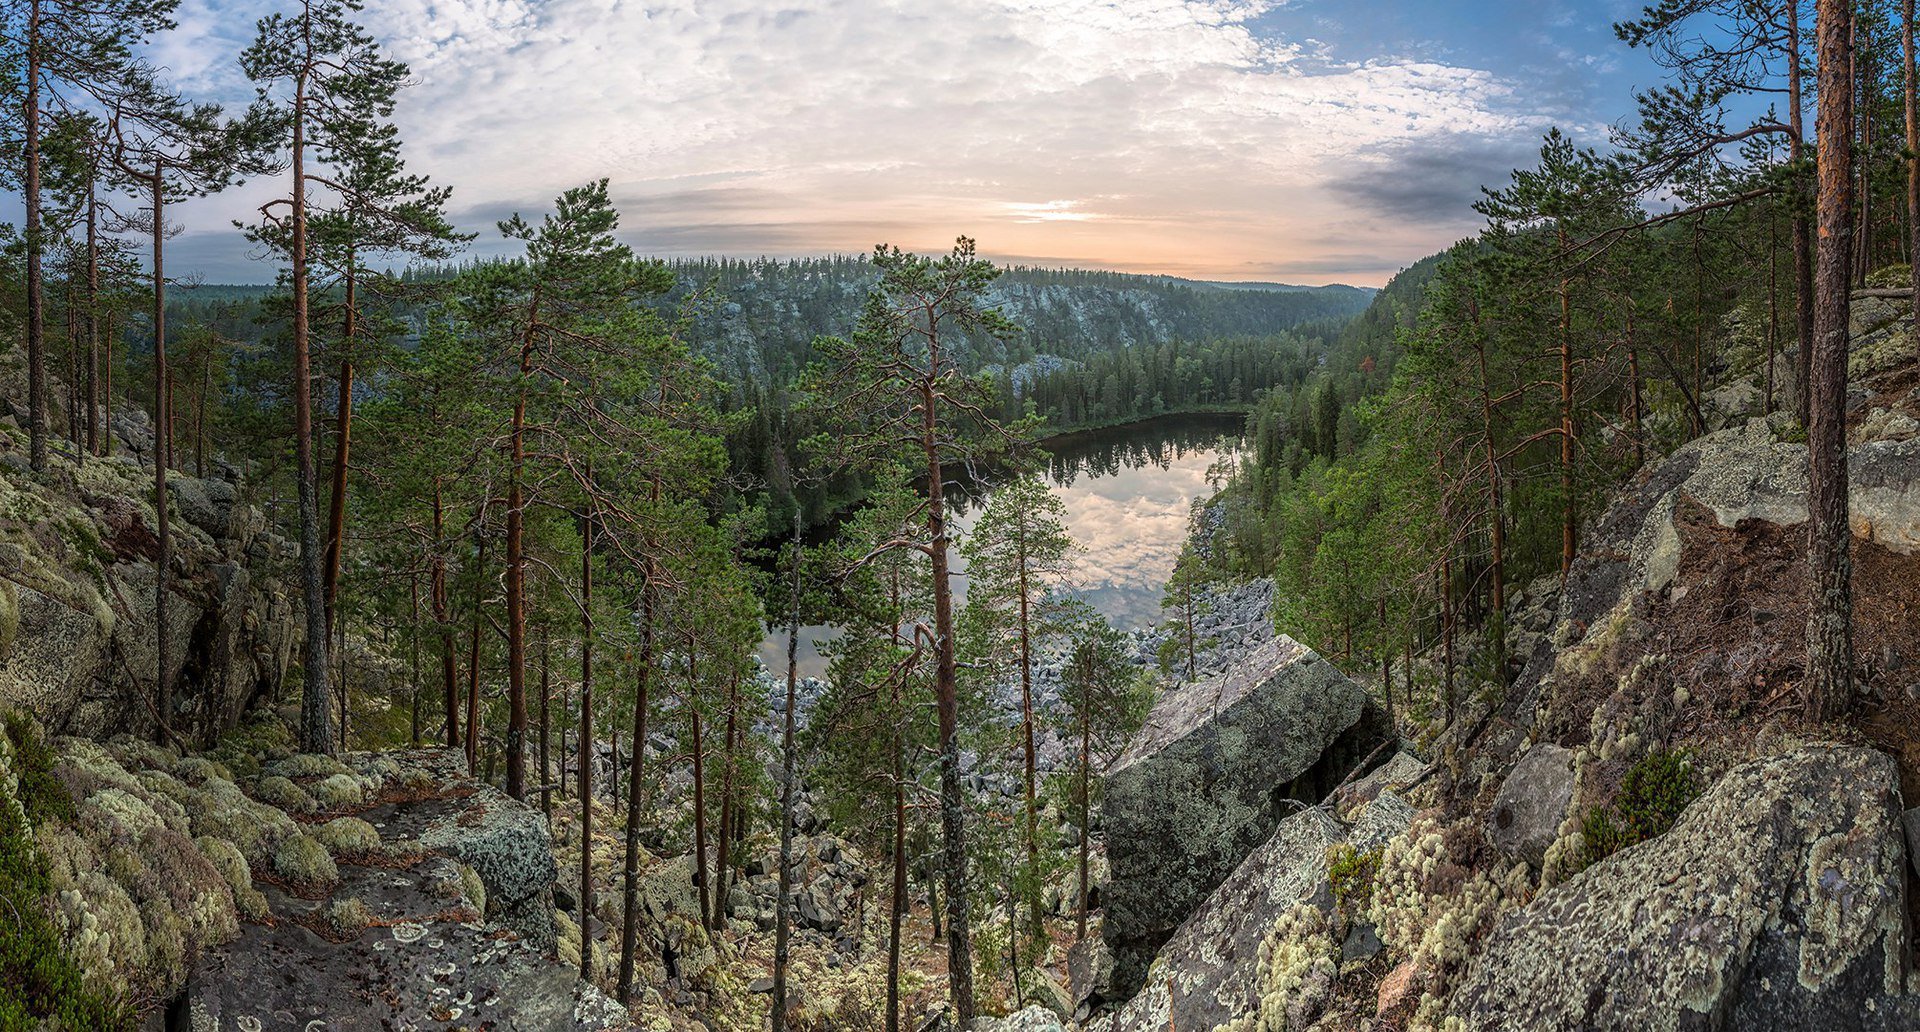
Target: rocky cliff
[[78, 632]]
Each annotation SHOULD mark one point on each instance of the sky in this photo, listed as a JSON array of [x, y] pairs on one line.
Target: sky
[[1307, 141]]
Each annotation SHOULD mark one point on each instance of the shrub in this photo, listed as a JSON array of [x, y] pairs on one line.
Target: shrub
[[1652, 796], [1351, 874]]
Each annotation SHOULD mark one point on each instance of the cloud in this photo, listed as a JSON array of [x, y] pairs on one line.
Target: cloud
[[1186, 136], [1434, 179]]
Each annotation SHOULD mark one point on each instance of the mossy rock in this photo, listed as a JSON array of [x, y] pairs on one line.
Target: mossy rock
[[348, 836], [220, 809], [307, 765], [226, 858], [305, 862], [196, 770], [346, 917], [281, 792], [338, 792]]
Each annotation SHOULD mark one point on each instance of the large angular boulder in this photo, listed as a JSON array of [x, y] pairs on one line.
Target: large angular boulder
[[507, 844], [1777, 901], [1217, 765], [1207, 974]]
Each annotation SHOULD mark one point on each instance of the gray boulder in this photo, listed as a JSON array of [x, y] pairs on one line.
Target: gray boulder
[[1208, 973], [1208, 778], [1089, 975], [1532, 802], [1777, 901], [507, 844]]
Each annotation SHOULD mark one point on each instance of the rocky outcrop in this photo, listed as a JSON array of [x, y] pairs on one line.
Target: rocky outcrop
[[1778, 901], [1208, 973], [1032, 1019], [1208, 778], [78, 631]]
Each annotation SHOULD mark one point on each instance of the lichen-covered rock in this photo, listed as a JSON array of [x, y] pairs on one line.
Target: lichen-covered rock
[[508, 844], [1209, 973], [1777, 901], [77, 612], [1089, 975], [1208, 778], [1532, 802]]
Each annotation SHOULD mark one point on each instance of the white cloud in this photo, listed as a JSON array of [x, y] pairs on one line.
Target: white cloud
[[1164, 134]]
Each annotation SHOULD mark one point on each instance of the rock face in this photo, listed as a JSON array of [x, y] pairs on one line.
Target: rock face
[[1777, 901], [77, 609], [1532, 802], [1210, 776]]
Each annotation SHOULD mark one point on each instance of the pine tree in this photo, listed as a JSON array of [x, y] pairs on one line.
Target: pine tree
[[333, 90], [1018, 552], [66, 53], [1830, 535], [899, 379], [169, 151]]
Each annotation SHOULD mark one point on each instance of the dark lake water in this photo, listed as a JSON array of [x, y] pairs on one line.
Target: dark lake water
[[1127, 491]]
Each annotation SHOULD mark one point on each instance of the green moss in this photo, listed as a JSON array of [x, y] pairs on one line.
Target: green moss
[[280, 792], [40, 986], [348, 835], [1352, 874], [226, 858], [1655, 791], [40, 792], [340, 790], [304, 862], [346, 917]]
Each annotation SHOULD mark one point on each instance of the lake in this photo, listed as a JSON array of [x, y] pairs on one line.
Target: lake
[[1127, 490]]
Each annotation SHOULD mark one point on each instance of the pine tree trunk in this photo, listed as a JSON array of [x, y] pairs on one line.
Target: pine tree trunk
[[1569, 515], [314, 736], [450, 696], [630, 928], [162, 456], [1085, 801], [1912, 104], [1031, 827], [546, 731], [585, 747], [783, 908], [723, 846], [342, 451], [95, 428], [699, 794], [1830, 538], [35, 233], [947, 702], [517, 575], [1802, 225], [473, 660]]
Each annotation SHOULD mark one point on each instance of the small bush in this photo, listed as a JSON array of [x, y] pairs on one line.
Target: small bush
[[1655, 791], [1351, 874]]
